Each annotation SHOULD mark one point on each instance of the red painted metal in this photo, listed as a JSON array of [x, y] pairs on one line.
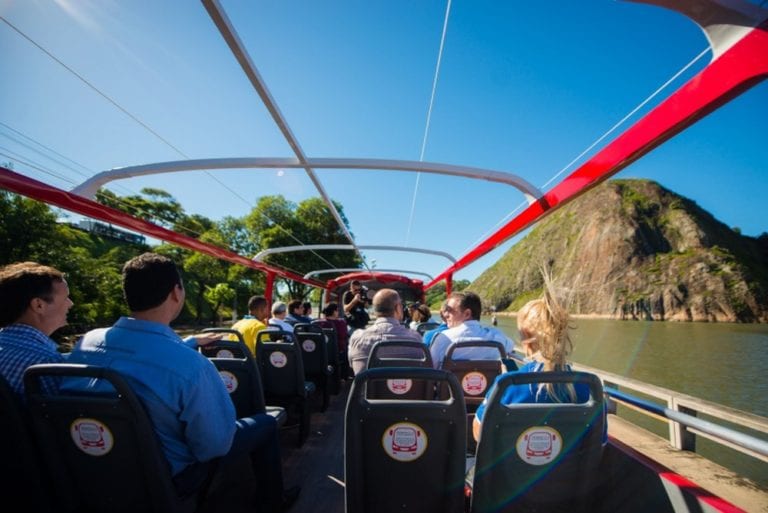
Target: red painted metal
[[269, 289], [340, 281], [738, 69], [31, 188]]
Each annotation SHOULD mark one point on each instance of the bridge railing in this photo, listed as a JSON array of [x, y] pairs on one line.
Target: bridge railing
[[681, 414]]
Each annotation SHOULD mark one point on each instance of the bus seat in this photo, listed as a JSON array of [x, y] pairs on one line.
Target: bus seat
[[424, 327], [539, 457], [241, 377], [334, 358], [24, 480], [475, 377], [406, 455], [314, 353], [400, 353], [282, 372], [101, 447]]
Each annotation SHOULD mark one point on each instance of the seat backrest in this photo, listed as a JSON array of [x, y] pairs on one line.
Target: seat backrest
[[400, 353], [544, 456], [239, 372], [314, 351], [24, 479], [303, 327], [406, 455], [282, 369], [101, 447], [273, 335], [475, 376], [424, 327]]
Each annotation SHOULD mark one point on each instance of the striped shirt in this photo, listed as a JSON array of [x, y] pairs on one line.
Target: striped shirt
[[22, 346]]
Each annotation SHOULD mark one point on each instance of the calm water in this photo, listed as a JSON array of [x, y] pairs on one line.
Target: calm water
[[723, 363]]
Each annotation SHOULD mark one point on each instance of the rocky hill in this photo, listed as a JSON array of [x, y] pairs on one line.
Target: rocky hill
[[631, 249]]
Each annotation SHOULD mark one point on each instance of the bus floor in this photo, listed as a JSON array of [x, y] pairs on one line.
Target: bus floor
[[318, 466]]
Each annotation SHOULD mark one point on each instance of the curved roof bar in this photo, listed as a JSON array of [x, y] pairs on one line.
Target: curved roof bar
[[230, 36], [89, 187], [738, 33], [288, 249], [311, 274]]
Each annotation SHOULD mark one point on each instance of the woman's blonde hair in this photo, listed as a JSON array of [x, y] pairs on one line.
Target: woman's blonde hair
[[547, 320]]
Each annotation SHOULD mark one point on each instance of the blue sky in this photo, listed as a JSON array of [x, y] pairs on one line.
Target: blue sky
[[524, 87]]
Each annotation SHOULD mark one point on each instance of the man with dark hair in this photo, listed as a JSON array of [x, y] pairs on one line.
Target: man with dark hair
[[254, 322], [186, 400], [354, 302], [461, 312], [388, 309], [296, 313], [306, 310], [34, 301]]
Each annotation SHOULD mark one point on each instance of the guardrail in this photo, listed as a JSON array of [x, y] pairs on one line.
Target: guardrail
[[681, 414]]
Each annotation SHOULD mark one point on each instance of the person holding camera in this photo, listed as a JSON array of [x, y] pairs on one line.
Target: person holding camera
[[355, 300]]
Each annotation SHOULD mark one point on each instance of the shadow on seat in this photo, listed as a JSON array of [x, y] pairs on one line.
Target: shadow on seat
[[282, 373], [24, 479], [405, 455], [240, 373], [101, 447], [543, 456], [400, 353]]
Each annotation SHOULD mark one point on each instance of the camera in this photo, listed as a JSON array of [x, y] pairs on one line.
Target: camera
[[364, 294]]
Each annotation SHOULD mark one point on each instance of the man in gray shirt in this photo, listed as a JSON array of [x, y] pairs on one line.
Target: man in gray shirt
[[388, 309]]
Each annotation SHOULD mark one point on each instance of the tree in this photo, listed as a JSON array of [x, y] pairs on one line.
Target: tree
[[219, 295]]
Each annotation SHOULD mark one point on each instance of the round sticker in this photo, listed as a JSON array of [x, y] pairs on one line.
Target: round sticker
[[230, 381], [278, 359], [399, 386], [224, 353], [404, 441], [308, 345], [539, 445], [474, 383], [91, 436]]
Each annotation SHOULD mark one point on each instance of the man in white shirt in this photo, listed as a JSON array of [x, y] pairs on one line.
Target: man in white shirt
[[279, 313], [462, 314]]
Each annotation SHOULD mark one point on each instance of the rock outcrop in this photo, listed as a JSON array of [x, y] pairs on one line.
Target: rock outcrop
[[631, 249]]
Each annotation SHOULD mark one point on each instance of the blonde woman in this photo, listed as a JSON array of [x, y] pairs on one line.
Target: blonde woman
[[543, 325]]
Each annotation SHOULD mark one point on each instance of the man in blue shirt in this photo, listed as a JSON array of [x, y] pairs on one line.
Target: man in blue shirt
[[34, 301], [181, 389]]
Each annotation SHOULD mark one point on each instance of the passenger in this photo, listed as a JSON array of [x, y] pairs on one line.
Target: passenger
[[34, 301], [256, 320], [279, 312], [296, 313], [416, 315], [388, 309], [331, 320], [184, 396], [354, 301], [543, 325], [306, 307], [430, 335], [425, 315], [462, 314]]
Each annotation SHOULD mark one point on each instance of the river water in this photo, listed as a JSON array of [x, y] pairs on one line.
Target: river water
[[720, 362]]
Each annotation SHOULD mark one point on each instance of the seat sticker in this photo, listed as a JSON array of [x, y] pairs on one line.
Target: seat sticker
[[309, 345], [91, 436], [224, 353], [474, 383], [230, 381], [539, 445], [404, 441], [278, 359], [399, 386]]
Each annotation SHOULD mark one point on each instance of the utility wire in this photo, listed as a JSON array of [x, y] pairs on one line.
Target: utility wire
[[429, 119]]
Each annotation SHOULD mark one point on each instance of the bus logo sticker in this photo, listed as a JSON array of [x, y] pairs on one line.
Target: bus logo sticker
[[404, 441], [399, 386], [474, 383], [278, 359], [308, 345], [224, 353], [91, 436], [230, 381], [539, 445]]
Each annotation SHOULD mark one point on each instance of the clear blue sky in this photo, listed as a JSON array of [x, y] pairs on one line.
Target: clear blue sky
[[524, 87]]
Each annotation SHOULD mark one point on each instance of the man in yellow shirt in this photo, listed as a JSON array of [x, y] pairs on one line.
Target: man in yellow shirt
[[253, 323]]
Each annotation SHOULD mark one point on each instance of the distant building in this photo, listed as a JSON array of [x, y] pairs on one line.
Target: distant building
[[109, 231]]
